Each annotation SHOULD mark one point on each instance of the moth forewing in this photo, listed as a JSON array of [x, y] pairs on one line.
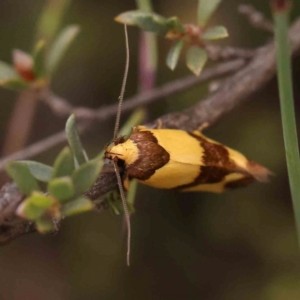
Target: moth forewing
[[187, 161]]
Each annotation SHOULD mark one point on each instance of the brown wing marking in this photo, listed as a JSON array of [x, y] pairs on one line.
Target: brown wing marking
[[151, 156], [216, 165]]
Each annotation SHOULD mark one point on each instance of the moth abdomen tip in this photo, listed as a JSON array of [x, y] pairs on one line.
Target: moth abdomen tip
[[259, 172]]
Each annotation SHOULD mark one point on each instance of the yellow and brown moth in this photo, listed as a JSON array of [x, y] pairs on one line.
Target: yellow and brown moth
[[183, 160]]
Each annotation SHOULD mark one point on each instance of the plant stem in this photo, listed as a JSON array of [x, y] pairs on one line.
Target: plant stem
[[281, 19], [147, 53]]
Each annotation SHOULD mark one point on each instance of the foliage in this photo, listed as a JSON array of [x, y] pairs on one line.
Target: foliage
[[195, 36], [35, 70], [281, 10], [66, 184]]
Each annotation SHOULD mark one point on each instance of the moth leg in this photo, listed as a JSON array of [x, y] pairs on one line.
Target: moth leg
[[126, 182], [159, 124], [203, 126]]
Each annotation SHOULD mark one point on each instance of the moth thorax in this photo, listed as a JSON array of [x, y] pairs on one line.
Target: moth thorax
[[126, 151]]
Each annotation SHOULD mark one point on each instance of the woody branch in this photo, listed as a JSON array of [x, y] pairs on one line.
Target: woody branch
[[251, 78]]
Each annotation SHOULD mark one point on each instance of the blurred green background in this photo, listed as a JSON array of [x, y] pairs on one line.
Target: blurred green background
[[238, 245]]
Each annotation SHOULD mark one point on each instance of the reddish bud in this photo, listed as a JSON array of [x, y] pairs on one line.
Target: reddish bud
[[281, 6], [23, 64]]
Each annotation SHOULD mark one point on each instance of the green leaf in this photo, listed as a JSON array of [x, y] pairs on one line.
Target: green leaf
[[131, 195], [215, 33], [136, 118], [174, 24], [174, 53], [61, 188], [144, 5], [281, 11], [74, 141], [22, 177], [39, 59], [113, 199], [86, 175], [64, 164], [16, 84], [39, 171], [196, 58], [60, 46], [45, 224], [205, 9], [51, 18], [147, 21], [35, 206], [77, 206], [7, 72], [130, 17]]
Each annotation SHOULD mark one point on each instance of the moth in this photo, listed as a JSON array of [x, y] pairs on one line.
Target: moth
[[182, 160], [186, 161]]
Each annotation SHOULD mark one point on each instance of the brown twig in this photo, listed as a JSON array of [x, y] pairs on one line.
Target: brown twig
[[256, 18], [225, 53], [234, 91], [102, 114], [61, 107]]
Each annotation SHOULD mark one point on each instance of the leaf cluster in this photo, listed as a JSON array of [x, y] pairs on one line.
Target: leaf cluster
[[70, 177], [194, 36], [35, 69]]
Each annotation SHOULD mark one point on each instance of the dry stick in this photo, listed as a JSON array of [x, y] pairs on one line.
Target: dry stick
[[256, 18], [107, 112], [62, 108], [234, 91]]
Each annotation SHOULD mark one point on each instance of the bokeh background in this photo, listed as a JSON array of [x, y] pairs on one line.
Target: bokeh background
[[238, 245]]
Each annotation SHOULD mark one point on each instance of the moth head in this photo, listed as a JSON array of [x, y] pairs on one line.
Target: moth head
[[126, 151], [111, 154]]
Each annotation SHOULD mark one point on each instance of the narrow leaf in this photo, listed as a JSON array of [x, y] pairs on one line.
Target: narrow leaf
[[44, 224], [174, 24], [144, 5], [34, 206], [51, 18], [64, 164], [215, 33], [136, 118], [86, 175], [195, 59], [281, 11], [60, 46], [205, 9], [77, 206], [15, 84], [74, 141], [174, 53], [61, 188], [7, 72], [131, 17], [131, 195], [39, 171], [39, 59], [22, 177], [147, 21]]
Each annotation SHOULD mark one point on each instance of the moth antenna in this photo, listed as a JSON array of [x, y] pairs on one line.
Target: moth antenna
[[121, 97], [126, 211]]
